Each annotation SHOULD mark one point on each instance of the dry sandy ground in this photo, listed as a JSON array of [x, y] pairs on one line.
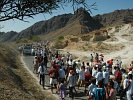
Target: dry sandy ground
[[16, 82], [123, 36]]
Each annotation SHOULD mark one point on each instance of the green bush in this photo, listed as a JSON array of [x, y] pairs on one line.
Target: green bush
[[24, 41], [60, 37], [36, 39]]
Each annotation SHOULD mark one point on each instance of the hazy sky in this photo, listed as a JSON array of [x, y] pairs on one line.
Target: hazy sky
[[103, 6]]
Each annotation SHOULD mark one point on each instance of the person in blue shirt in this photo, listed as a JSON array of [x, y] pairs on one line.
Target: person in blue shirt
[[99, 92]]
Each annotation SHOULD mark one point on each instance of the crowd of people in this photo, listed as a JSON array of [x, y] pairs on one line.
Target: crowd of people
[[101, 80]]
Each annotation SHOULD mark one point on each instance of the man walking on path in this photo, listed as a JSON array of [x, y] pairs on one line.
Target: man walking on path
[[41, 71], [53, 73]]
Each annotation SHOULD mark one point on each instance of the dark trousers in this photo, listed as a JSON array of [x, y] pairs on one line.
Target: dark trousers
[[42, 79], [71, 92], [45, 64]]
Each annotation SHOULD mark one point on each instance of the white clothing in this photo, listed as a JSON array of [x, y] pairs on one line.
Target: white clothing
[[70, 63], [125, 82], [91, 87], [130, 89], [70, 57], [42, 52], [40, 70], [114, 72], [106, 77], [35, 61], [130, 72], [90, 64], [94, 73], [87, 69], [63, 59], [129, 96], [53, 81], [99, 77], [78, 67], [82, 75], [38, 52]]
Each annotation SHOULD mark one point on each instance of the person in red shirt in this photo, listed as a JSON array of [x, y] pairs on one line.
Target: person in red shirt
[[53, 73], [87, 79], [40, 59], [118, 76], [110, 65]]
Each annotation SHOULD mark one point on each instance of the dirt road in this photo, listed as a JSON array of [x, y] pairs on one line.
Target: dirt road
[[28, 60]]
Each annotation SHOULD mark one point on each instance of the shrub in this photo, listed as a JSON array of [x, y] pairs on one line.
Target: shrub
[[24, 41], [36, 39], [60, 37]]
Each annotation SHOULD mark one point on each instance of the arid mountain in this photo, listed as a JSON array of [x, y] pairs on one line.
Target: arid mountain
[[81, 18], [7, 36], [78, 23], [116, 17]]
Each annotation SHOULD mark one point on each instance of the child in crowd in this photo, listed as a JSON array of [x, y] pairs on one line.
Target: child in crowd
[[62, 89]]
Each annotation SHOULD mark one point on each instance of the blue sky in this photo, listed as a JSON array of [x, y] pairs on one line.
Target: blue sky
[[103, 6]]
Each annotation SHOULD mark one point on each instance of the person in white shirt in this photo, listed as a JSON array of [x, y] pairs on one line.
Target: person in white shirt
[[63, 59], [41, 71], [38, 52], [129, 88], [105, 77], [35, 62], [125, 82], [81, 78], [91, 86], [87, 68], [42, 52], [130, 71], [99, 76], [78, 65], [70, 57], [94, 73], [71, 84]]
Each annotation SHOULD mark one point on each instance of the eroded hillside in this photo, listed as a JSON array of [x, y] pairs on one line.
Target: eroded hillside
[[15, 81]]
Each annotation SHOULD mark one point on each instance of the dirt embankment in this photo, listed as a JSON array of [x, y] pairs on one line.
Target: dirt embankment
[[15, 81]]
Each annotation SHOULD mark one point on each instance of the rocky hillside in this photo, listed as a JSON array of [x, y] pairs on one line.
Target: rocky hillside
[[7, 36], [116, 17], [78, 23], [16, 83]]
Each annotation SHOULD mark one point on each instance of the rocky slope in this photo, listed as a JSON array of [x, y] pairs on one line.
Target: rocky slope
[[116, 17], [16, 83]]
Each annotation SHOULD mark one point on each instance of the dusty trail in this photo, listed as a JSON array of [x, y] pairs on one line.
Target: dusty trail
[[28, 67]]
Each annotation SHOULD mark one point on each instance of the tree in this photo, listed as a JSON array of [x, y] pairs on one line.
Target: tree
[[21, 9]]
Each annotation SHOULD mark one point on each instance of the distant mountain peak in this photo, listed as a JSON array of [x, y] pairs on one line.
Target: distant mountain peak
[[81, 11]]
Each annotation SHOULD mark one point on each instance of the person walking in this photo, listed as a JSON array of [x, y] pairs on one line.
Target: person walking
[[45, 60], [98, 93], [41, 72], [129, 87], [110, 91], [62, 89], [53, 73], [71, 83]]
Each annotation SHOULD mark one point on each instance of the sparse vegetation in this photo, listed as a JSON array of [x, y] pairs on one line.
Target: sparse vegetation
[[35, 39], [24, 41], [60, 37]]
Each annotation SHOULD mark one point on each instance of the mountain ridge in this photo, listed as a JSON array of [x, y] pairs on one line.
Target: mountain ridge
[[85, 23]]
